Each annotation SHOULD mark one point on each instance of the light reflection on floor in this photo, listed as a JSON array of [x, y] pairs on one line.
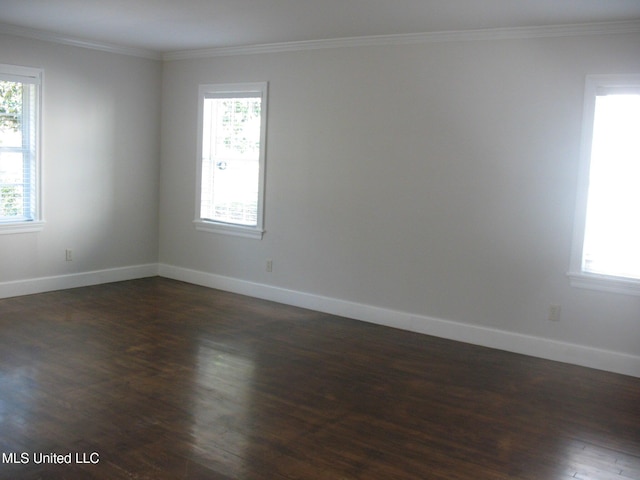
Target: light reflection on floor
[[220, 403], [17, 389]]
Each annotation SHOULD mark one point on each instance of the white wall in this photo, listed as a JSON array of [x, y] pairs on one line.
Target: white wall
[[100, 158], [437, 181]]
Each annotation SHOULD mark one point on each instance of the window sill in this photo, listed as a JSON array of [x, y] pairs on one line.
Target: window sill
[[228, 229], [605, 283], [11, 228]]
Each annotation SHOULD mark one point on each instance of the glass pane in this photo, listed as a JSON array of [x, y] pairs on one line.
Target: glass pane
[[11, 184], [10, 114], [11, 167], [231, 160], [11, 201], [612, 232], [235, 192]]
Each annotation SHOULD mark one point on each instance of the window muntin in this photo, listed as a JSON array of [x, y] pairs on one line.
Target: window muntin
[[19, 149], [607, 234], [232, 136]]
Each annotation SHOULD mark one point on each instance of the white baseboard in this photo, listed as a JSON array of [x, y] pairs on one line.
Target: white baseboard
[[74, 280], [488, 337]]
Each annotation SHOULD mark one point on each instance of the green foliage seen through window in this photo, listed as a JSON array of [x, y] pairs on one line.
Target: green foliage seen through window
[[10, 105]]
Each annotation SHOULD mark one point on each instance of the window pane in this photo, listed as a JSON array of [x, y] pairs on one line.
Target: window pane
[[612, 231], [235, 192], [231, 160], [17, 150], [11, 114], [11, 167], [11, 201], [12, 177], [19, 135]]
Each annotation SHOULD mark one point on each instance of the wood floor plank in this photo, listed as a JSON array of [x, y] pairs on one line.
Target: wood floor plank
[[166, 380]]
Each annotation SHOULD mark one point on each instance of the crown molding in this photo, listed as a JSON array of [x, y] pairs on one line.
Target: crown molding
[[571, 30], [415, 38], [77, 42]]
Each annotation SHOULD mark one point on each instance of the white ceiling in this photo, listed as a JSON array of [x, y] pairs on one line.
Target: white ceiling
[[177, 25]]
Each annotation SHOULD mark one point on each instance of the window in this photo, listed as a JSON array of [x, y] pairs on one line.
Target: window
[[606, 250], [231, 167], [19, 149]]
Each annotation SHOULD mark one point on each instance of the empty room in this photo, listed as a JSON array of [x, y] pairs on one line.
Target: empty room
[[320, 240]]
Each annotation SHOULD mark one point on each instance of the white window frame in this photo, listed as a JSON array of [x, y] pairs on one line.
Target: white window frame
[[579, 277], [222, 90], [35, 77]]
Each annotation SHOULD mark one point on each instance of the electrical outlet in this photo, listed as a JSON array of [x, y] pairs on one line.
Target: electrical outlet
[[554, 313], [269, 266], [68, 255]]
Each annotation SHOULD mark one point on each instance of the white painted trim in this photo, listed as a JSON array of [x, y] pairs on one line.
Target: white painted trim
[[228, 229], [77, 42], [83, 279], [488, 337], [415, 38], [605, 283], [21, 227], [601, 28]]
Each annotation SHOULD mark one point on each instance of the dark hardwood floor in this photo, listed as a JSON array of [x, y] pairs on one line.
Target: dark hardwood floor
[[157, 379]]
